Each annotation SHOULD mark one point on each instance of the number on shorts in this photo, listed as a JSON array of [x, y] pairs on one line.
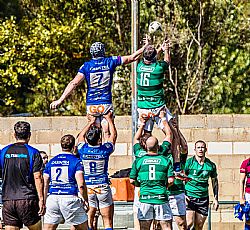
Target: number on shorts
[[145, 79], [151, 171]]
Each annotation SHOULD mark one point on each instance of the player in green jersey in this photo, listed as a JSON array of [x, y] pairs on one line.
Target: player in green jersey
[[150, 93], [200, 169], [154, 172], [140, 150]]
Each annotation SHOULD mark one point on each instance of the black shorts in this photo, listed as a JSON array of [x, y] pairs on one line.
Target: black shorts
[[199, 205], [19, 212]]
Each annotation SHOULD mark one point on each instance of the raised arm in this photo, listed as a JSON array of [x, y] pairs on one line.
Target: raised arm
[[113, 132], [215, 185], [46, 186], [39, 188], [82, 134], [167, 129], [140, 130], [135, 56], [165, 47], [68, 90]]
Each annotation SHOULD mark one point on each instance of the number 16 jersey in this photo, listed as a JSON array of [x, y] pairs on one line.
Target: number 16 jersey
[[150, 92]]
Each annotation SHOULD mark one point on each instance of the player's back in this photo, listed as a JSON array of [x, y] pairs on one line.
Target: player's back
[[61, 170], [18, 162], [95, 161], [153, 173], [99, 76]]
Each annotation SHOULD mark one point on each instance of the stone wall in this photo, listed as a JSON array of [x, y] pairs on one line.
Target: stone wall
[[227, 137]]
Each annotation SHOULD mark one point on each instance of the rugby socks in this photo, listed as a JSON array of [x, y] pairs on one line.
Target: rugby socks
[[108, 228], [247, 227], [89, 228]]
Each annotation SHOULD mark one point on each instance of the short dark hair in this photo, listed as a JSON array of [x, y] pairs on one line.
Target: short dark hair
[[143, 140], [93, 135], [200, 141], [68, 142], [22, 130], [149, 53]]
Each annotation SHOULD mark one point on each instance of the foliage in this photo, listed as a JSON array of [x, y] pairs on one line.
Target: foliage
[[43, 43]]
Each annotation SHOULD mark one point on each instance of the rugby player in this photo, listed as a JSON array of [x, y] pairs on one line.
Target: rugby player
[[95, 158]]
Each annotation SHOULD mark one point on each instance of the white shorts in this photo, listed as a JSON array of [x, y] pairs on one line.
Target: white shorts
[[153, 115], [154, 212], [177, 204], [66, 208], [100, 197], [136, 203]]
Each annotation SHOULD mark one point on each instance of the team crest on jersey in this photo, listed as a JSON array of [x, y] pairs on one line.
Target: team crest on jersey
[[152, 161], [147, 68]]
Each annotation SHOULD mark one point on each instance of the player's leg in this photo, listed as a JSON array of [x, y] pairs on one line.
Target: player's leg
[[83, 226], [145, 215], [247, 225], [190, 215], [164, 215], [107, 216], [91, 217], [199, 221], [136, 205], [49, 226], [178, 208], [106, 206]]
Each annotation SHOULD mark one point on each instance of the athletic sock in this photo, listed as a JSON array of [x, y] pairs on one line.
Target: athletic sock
[[247, 227], [108, 228], [89, 228], [177, 166]]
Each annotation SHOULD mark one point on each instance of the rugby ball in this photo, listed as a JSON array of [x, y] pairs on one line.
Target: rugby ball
[[154, 27]]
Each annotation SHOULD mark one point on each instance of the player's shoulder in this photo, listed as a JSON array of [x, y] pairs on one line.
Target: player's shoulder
[[108, 145], [31, 149], [210, 162]]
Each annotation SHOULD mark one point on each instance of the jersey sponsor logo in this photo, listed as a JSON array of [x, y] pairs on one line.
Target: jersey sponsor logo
[[99, 68], [152, 161], [20, 155], [147, 68], [60, 162], [96, 108]]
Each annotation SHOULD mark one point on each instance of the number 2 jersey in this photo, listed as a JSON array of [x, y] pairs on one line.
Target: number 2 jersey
[[150, 92], [61, 171], [95, 161], [152, 172], [98, 73]]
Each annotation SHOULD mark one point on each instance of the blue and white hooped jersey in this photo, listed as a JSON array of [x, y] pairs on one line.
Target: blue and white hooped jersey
[[95, 162], [61, 171], [99, 76]]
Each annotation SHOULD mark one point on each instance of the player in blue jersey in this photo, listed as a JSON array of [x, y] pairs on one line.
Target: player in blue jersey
[[98, 73], [63, 179], [95, 157]]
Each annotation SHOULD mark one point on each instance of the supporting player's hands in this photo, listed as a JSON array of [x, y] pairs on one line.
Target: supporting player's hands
[[91, 119], [162, 114], [242, 201], [108, 116], [42, 208], [55, 104], [143, 118], [216, 204]]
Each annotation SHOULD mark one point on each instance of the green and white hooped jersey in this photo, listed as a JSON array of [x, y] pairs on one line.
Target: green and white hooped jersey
[[198, 186], [152, 172], [150, 92]]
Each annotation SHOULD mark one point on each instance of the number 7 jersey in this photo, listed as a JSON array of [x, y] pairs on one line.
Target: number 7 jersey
[[98, 73], [150, 92]]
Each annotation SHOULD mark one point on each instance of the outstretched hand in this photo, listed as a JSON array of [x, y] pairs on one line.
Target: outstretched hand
[[91, 119], [166, 45], [108, 116], [55, 104], [146, 40]]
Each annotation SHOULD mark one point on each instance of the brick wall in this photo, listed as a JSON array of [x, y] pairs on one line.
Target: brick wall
[[227, 137]]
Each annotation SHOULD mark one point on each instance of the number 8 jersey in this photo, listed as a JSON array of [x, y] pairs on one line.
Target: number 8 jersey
[[95, 161], [149, 81], [98, 73]]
